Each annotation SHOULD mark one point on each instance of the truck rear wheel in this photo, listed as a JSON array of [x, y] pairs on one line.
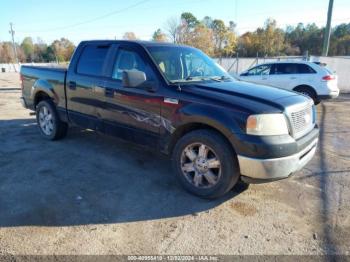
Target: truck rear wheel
[[205, 164], [51, 127]]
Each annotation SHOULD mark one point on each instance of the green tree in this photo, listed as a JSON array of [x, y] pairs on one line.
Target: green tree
[[266, 41], [271, 38], [306, 38], [341, 30], [201, 37], [190, 20], [63, 49], [159, 36], [28, 48], [219, 33], [207, 21]]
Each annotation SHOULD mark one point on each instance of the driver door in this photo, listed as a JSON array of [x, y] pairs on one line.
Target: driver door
[[258, 75], [131, 113]]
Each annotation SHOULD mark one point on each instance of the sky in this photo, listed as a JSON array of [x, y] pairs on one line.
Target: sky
[[80, 20]]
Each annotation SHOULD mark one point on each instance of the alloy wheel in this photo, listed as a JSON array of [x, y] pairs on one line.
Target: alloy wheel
[[46, 120], [200, 165]]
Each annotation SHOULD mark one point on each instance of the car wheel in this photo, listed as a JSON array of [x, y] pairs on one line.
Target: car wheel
[[205, 164], [50, 126], [308, 92]]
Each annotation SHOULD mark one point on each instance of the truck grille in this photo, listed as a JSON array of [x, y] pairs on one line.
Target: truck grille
[[302, 121]]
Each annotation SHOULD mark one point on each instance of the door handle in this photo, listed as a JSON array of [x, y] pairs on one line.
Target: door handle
[[72, 85], [109, 92], [293, 77], [264, 78]]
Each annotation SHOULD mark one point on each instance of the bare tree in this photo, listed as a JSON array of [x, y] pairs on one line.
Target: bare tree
[[172, 27]]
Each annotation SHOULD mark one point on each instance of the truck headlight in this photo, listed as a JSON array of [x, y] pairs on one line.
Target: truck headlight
[[267, 125]]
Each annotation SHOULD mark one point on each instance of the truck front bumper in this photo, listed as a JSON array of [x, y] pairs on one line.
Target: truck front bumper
[[254, 170]]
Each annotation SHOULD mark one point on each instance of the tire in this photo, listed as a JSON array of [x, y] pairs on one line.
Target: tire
[[196, 168], [50, 126], [308, 91]]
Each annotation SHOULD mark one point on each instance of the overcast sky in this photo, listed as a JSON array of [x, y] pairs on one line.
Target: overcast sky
[[108, 19]]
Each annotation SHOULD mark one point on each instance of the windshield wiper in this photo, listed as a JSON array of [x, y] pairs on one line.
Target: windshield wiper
[[199, 78], [219, 78]]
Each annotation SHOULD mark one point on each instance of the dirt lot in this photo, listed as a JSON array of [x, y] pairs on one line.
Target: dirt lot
[[93, 194]]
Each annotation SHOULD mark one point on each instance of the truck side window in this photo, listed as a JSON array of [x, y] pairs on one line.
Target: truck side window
[[92, 60], [127, 60]]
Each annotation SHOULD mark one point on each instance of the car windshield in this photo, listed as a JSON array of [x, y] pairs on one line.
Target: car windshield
[[185, 64]]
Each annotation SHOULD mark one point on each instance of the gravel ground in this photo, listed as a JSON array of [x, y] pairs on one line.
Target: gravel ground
[[93, 194]]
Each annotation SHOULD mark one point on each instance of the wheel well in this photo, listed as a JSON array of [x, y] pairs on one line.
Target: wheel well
[[181, 131], [305, 87], [40, 96]]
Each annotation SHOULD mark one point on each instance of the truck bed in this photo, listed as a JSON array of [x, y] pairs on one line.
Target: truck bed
[[51, 78]]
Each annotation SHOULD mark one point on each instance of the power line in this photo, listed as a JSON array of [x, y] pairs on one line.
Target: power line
[[152, 8], [94, 19]]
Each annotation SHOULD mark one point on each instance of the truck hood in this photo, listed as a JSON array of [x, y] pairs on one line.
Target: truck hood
[[254, 98]]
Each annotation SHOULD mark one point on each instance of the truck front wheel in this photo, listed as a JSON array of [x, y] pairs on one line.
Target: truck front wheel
[[205, 164], [51, 127]]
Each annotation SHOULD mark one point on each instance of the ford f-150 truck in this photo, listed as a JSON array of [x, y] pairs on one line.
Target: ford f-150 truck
[[176, 99]]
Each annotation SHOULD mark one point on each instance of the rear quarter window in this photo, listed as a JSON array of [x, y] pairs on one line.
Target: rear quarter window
[[305, 69], [92, 60]]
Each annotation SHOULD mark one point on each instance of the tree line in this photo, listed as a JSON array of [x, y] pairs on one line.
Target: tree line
[[58, 51], [211, 35], [220, 40]]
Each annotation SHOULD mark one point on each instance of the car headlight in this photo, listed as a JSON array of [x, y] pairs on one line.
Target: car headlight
[[267, 125]]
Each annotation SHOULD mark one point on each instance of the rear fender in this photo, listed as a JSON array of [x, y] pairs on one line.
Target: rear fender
[[43, 86]]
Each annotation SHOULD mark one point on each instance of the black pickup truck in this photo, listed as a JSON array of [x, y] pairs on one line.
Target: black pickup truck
[[176, 99]]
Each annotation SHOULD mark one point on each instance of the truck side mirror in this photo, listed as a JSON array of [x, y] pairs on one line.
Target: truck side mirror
[[133, 78]]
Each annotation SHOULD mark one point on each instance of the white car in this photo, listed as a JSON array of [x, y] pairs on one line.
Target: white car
[[312, 79]]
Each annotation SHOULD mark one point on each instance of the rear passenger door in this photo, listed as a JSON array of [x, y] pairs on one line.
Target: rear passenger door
[[306, 76], [283, 75], [290, 75], [85, 81]]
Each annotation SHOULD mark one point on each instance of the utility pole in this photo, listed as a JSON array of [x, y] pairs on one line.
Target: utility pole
[[327, 32], [13, 42]]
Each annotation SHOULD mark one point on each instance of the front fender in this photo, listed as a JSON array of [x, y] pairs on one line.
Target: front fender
[[192, 116], [223, 119]]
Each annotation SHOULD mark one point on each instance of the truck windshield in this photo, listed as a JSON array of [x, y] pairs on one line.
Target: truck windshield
[[186, 64]]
